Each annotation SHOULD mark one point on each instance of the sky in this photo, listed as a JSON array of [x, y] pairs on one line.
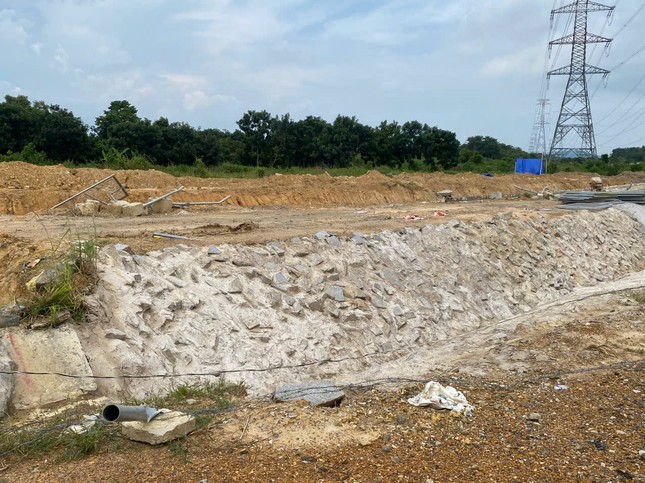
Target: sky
[[474, 67]]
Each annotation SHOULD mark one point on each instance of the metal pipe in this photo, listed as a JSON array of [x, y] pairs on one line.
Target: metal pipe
[[180, 204], [163, 197], [118, 413], [82, 192]]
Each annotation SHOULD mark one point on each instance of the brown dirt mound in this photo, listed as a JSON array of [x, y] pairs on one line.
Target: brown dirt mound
[[28, 188]]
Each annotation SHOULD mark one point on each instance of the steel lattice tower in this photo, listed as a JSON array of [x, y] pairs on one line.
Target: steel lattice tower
[[575, 113], [538, 136]]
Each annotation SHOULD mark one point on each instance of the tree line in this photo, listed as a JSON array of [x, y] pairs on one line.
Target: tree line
[[40, 132], [261, 140]]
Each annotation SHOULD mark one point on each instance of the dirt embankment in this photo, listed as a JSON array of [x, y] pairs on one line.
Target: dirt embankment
[[28, 188]]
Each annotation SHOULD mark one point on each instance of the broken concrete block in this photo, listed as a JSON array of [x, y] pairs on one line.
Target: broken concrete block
[[112, 209], [317, 393], [132, 209], [161, 206], [164, 428], [89, 208]]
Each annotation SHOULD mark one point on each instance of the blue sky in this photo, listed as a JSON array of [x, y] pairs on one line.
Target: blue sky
[[470, 66]]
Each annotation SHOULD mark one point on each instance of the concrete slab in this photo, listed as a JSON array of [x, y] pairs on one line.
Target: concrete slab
[[162, 429], [56, 350], [317, 393]]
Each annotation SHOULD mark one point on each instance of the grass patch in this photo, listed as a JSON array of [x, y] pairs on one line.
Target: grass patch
[[51, 437], [638, 297], [215, 395], [60, 290]]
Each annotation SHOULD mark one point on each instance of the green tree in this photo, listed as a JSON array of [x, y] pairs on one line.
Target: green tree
[[390, 144], [119, 112], [20, 122], [62, 136], [256, 126]]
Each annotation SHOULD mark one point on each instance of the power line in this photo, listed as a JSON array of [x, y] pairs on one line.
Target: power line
[[624, 99], [201, 374]]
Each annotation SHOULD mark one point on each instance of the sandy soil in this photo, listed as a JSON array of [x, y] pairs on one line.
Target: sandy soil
[[26, 188], [592, 431]]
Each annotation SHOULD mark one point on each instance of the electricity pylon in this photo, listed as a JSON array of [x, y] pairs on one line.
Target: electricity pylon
[[538, 136], [574, 121]]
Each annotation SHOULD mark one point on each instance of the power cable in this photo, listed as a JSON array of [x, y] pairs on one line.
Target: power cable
[[202, 374], [623, 101]]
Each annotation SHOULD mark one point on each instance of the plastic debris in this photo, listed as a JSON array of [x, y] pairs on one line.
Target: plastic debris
[[560, 387], [85, 425], [413, 218], [437, 396]]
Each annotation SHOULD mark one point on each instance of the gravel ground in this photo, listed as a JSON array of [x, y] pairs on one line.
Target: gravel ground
[[523, 430]]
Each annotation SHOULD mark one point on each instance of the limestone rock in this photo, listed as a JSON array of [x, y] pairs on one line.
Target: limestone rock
[[48, 351], [6, 381], [213, 250], [318, 393], [10, 315], [115, 334], [164, 428]]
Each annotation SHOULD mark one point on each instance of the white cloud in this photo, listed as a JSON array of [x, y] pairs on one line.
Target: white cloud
[[518, 64], [12, 27], [449, 63], [185, 81], [61, 57]]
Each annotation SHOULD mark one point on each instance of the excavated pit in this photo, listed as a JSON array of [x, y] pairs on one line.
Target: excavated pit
[[371, 304]]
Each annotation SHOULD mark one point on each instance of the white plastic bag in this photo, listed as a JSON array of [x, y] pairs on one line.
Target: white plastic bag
[[438, 397]]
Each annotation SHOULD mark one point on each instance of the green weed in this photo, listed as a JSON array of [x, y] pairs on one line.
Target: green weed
[[638, 297], [217, 395]]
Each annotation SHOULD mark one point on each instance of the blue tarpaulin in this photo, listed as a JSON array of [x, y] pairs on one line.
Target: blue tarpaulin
[[532, 166]]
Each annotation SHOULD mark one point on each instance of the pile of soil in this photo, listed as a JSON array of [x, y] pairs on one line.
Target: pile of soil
[[28, 188]]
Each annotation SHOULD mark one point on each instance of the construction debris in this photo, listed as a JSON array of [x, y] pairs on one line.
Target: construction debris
[[170, 235], [438, 397], [162, 197], [319, 393], [200, 203], [100, 189], [445, 195], [633, 196], [166, 427], [595, 184]]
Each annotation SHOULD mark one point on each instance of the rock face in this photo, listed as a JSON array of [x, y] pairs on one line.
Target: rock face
[[164, 428], [318, 393], [57, 350], [182, 309], [10, 315], [6, 380]]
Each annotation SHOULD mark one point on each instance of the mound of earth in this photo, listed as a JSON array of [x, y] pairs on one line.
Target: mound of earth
[[28, 188]]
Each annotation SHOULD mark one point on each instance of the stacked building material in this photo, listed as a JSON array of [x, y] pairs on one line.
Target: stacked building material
[[633, 196]]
